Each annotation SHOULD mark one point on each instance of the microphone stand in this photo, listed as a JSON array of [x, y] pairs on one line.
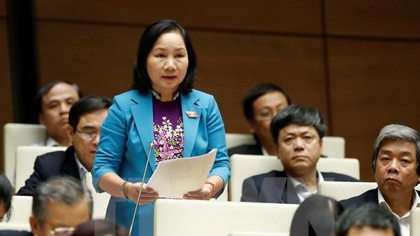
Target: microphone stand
[[141, 187]]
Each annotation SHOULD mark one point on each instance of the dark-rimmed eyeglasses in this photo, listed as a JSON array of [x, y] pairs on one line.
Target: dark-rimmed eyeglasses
[[88, 135]]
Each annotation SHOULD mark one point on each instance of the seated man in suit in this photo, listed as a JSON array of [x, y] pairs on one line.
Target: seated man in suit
[[59, 205], [366, 220], [260, 104], [298, 132], [85, 120], [53, 102], [395, 162]]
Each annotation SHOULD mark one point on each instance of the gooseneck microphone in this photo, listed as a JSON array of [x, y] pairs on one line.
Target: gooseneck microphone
[[141, 187]]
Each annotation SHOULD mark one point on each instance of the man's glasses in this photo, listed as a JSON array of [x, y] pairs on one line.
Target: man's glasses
[[62, 231], [88, 135], [265, 114]]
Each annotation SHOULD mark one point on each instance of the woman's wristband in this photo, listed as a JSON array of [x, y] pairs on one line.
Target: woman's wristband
[[213, 191]]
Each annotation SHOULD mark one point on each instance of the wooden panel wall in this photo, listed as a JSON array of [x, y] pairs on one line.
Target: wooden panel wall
[[373, 18], [5, 83], [354, 60], [235, 51], [271, 16], [373, 54], [2, 8], [373, 83]]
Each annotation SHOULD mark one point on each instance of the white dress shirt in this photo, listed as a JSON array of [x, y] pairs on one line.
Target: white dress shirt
[[301, 189], [82, 170], [404, 221]]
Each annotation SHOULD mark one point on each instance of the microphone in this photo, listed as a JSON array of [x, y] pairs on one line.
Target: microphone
[[141, 187]]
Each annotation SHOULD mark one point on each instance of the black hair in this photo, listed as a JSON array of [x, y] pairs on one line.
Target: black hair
[[87, 104], [44, 90], [257, 92], [100, 227], [6, 194], [299, 115], [141, 79], [315, 216], [367, 215]]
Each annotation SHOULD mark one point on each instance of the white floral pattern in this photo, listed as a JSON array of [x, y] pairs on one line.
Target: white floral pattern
[[169, 142]]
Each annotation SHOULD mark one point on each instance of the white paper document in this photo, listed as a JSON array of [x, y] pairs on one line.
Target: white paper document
[[174, 178]]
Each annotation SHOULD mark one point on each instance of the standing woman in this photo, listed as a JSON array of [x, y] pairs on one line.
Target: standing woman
[[164, 109]]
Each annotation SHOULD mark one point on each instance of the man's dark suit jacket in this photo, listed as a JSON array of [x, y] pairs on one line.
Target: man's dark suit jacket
[[252, 149], [60, 163], [276, 187], [15, 233], [368, 196]]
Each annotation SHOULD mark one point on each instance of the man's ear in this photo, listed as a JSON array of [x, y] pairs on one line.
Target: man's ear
[[41, 119], [321, 144], [250, 124], [35, 225], [277, 150], [70, 132]]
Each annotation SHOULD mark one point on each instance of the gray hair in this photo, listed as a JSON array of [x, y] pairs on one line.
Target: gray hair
[[397, 133], [62, 190]]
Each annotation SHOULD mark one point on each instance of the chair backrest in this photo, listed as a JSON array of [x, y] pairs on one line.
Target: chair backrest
[[333, 146], [25, 159], [244, 166], [233, 140], [343, 190], [15, 226], [414, 222], [21, 209], [225, 217], [19, 135], [346, 166], [224, 196], [100, 200], [240, 233]]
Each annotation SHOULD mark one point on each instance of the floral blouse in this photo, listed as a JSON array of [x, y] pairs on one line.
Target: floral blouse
[[168, 129]]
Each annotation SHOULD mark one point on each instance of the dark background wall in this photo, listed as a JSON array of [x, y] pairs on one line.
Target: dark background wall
[[357, 61]]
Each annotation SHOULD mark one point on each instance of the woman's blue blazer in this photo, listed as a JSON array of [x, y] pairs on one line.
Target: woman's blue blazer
[[124, 145]]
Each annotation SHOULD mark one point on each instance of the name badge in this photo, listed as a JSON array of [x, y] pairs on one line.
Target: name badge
[[192, 114]]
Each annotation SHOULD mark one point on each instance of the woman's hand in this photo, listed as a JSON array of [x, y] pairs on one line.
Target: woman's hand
[[147, 194], [205, 193]]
